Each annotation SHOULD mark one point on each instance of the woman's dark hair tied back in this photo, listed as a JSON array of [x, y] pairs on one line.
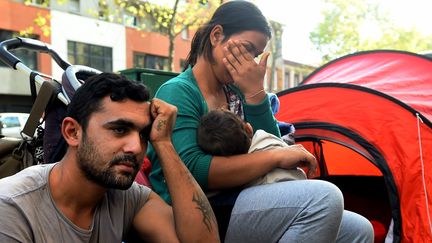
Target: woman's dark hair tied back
[[234, 17]]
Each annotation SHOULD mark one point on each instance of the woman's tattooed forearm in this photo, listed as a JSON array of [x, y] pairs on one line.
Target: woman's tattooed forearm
[[205, 208]]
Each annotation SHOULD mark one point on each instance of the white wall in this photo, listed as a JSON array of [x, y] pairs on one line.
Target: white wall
[[14, 82], [65, 26]]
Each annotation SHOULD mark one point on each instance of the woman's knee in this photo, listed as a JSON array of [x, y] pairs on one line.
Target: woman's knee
[[301, 193], [355, 228], [332, 194], [326, 201], [312, 197], [299, 207]]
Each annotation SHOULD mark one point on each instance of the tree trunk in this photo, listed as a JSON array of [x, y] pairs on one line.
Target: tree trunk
[[171, 52], [171, 37]]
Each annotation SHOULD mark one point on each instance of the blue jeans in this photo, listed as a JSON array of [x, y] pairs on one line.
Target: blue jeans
[[295, 211]]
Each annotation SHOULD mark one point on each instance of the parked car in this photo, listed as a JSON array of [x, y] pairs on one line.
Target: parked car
[[11, 124]]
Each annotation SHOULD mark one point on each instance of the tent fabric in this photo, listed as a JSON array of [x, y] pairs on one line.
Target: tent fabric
[[398, 74], [377, 99]]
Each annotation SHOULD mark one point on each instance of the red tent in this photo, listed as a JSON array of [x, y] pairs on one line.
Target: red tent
[[367, 118]]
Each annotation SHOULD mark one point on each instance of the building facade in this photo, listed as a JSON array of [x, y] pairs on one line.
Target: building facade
[[282, 74], [81, 35], [15, 88], [294, 73]]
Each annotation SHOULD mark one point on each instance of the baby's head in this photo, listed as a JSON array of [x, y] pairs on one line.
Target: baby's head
[[223, 133]]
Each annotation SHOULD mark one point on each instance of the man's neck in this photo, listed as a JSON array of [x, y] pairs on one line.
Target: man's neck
[[73, 194]]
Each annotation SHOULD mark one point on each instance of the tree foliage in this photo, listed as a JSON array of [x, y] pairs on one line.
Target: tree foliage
[[152, 15], [169, 20], [357, 25], [41, 22]]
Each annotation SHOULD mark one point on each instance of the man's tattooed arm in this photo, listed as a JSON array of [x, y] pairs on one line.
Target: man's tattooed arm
[[161, 124], [190, 224], [204, 206]]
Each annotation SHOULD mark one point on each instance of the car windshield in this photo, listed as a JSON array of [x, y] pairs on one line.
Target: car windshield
[[11, 124], [10, 121]]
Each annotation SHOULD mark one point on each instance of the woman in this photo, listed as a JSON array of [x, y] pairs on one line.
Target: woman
[[222, 73]]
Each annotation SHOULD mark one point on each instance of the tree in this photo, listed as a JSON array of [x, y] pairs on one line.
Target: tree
[[163, 18], [356, 25]]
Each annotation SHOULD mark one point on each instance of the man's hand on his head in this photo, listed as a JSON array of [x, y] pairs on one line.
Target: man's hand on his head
[[164, 117]]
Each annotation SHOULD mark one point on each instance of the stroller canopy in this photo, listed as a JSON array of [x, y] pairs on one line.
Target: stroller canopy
[[370, 114]]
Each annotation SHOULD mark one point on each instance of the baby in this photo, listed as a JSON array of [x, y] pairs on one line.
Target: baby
[[222, 133]]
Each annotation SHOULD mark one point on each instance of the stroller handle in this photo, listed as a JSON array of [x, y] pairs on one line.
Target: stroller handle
[[18, 42]]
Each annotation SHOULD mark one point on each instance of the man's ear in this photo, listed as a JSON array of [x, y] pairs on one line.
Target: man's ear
[[216, 35], [71, 131]]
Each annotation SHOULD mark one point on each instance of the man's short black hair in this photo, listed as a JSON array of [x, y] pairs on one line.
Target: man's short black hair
[[222, 133], [88, 98]]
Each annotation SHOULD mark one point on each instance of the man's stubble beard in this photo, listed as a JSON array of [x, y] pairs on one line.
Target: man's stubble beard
[[95, 169]]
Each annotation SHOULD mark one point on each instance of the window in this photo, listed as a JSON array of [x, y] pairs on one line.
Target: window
[[287, 80], [296, 79], [130, 20], [74, 6], [142, 60], [94, 56], [185, 33], [44, 3], [28, 57]]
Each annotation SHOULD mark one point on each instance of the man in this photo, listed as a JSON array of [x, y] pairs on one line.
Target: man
[[89, 196]]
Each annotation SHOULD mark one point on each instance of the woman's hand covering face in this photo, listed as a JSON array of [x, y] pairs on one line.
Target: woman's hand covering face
[[247, 74]]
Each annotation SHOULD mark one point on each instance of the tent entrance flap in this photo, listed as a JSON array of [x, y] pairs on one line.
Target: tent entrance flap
[[339, 151], [340, 159]]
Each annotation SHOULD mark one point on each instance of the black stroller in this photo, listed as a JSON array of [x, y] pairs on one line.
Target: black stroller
[[51, 98]]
